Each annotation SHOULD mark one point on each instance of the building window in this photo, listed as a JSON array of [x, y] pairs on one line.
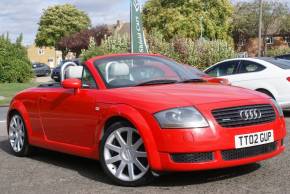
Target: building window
[[40, 51], [269, 40]]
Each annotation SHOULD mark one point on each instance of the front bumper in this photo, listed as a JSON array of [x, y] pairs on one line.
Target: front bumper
[[215, 139], [218, 162]]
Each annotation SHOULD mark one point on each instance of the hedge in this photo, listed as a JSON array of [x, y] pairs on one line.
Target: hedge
[[198, 53], [14, 64]]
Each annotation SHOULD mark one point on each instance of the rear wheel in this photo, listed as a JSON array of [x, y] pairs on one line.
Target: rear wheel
[[17, 135], [123, 156]]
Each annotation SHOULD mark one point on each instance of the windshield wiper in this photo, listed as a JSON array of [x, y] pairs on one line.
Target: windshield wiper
[[156, 82], [195, 80]]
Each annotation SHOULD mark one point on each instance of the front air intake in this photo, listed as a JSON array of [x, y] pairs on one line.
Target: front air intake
[[244, 115]]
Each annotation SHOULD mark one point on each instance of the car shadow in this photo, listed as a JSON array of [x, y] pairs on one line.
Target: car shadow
[[88, 168], [92, 169], [200, 177]]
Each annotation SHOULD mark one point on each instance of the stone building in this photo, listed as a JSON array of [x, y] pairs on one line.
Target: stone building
[[47, 55]]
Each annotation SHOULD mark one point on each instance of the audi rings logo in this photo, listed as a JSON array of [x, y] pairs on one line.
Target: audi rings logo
[[251, 114]]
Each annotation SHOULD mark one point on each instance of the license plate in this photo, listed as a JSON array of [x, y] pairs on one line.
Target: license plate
[[254, 139]]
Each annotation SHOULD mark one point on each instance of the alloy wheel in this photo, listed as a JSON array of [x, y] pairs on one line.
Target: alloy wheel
[[125, 155], [16, 133]]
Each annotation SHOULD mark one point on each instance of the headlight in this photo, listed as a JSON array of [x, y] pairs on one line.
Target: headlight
[[278, 107], [186, 117]]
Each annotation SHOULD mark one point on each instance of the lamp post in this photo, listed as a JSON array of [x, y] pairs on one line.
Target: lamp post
[[201, 27], [260, 28]]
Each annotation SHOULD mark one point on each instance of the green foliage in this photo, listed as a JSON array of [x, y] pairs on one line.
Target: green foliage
[[246, 18], [183, 18], [285, 28], [200, 53], [277, 52], [115, 44], [14, 63], [60, 21], [157, 44], [19, 39], [92, 51], [110, 45], [80, 40]]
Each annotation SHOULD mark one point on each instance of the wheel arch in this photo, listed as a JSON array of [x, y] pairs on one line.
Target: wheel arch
[[18, 107], [131, 115], [266, 91]]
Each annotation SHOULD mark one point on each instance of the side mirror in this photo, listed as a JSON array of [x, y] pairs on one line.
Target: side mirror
[[72, 83]]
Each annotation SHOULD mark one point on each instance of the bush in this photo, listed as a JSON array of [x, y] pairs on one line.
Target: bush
[[115, 44], [92, 51], [110, 45], [14, 63], [277, 52], [198, 53]]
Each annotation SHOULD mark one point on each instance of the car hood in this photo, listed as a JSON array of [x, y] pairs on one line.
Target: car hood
[[160, 97]]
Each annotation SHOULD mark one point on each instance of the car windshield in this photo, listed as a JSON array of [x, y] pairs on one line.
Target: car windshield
[[282, 63], [128, 71], [196, 71]]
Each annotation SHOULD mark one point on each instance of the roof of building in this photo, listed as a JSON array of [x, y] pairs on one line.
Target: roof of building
[[122, 28]]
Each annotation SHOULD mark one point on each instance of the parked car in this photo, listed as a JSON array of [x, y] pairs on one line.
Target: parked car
[[270, 76], [287, 57], [141, 114], [55, 75], [41, 69], [206, 77]]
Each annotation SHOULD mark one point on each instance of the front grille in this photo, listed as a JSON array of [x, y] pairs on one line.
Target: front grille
[[231, 117], [249, 152], [193, 157]]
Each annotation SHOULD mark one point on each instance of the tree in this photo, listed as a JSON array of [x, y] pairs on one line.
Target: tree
[[19, 39], [246, 19], [59, 21], [285, 27], [189, 18], [80, 40], [14, 63]]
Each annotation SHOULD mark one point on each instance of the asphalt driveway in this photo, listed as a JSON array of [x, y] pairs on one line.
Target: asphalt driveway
[[51, 172]]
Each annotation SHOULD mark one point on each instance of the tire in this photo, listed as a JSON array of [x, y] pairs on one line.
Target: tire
[[17, 136], [118, 156]]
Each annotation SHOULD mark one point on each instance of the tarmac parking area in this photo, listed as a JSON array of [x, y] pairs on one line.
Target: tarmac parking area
[[52, 172]]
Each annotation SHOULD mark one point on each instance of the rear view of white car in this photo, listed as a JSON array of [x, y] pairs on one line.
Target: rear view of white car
[[267, 75]]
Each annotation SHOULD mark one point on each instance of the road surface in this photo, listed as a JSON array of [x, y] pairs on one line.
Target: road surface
[[51, 172]]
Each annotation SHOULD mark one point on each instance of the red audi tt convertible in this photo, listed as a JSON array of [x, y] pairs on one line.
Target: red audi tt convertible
[[144, 114]]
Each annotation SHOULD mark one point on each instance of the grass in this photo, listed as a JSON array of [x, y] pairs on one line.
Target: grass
[[10, 89]]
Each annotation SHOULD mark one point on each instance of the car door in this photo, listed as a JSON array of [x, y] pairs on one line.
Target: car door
[[227, 70], [68, 117], [249, 74]]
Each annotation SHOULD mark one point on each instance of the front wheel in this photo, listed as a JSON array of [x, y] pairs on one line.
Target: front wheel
[[123, 156], [17, 135]]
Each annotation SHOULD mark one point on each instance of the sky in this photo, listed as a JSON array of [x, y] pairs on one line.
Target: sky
[[18, 16]]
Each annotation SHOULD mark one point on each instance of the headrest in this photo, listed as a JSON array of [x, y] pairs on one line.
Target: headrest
[[74, 72], [119, 69]]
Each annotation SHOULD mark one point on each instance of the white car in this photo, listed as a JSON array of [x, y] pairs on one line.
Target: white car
[[267, 75]]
